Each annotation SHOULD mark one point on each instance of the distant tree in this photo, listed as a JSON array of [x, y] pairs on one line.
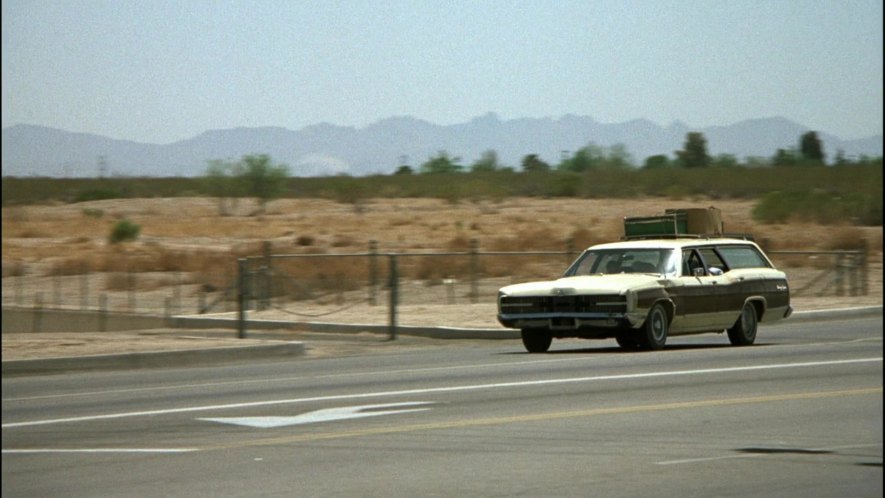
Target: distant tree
[[262, 179], [725, 161], [657, 161], [488, 161], [442, 163], [532, 164], [617, 157], [219, 181], [586, 158], [403, 170], [756, 162], [840, 159], [694, 152], [785, 157], [811, 148]]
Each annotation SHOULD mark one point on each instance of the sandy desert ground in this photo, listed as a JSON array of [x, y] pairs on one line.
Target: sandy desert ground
[[40, 242]]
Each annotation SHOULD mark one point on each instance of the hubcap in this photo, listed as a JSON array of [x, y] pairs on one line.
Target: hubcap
[[657, 325]]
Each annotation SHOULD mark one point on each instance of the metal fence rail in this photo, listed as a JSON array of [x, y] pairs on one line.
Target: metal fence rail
[[292, 283], [477, 275]]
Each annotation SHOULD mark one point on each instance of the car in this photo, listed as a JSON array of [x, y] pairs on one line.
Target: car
[[650, 286]]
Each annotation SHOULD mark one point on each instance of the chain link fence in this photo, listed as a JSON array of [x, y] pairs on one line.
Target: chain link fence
[[317, 287]]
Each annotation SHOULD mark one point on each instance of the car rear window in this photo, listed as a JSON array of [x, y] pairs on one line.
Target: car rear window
[[742, 257]]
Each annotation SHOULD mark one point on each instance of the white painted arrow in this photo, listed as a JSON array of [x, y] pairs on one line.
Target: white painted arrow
[[326, 415]]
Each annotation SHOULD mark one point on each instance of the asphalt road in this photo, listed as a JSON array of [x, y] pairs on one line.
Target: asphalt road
[[799, 414]]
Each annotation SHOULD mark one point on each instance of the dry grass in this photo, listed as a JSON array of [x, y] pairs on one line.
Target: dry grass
[[188, 235]]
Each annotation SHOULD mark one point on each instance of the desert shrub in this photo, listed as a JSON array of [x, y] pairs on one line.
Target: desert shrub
[[14, 269], [819, 207], [119, 281], [124, 230], [304, 240], [533, 239], [343, 241], [97, 194], [93, 212], [70, 266], [845, 238]]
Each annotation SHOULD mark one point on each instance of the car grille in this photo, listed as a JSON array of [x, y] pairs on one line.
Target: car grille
[[564, 304]]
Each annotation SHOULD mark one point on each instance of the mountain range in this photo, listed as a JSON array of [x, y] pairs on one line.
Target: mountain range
[[380, 148]]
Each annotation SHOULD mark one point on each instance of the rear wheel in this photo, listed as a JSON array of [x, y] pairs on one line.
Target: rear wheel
[[743, 333], [653, 334], [536, 340]]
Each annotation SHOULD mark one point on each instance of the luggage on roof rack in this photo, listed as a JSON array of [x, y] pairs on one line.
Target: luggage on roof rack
[[687, 222]]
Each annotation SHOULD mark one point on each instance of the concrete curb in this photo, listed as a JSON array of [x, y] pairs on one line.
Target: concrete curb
[[832, 314], [252, 325], [197, 357], [153, 359], [450, 332]]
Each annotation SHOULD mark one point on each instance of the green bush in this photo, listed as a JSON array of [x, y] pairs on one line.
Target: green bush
[[124, 230], [97, 194], [820, 207], [93, 213]]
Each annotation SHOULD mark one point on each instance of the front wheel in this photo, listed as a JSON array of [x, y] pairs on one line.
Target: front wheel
[[743, 333], [536, 340], [653, 334]]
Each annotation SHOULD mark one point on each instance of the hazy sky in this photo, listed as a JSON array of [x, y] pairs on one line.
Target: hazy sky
[[160, 71]]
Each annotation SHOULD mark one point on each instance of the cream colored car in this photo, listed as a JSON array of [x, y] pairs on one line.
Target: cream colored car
[[640, 292]]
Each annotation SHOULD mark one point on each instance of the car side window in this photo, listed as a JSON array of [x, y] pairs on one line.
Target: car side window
[[712, 259], [743, 257]]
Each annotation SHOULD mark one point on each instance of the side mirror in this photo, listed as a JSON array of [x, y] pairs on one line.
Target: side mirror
[[716, 271]]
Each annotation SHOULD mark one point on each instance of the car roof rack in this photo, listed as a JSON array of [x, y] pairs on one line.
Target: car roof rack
[[698, 223], [740, 236]]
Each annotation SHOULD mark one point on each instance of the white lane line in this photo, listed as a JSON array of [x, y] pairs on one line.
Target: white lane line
[[756, 455], [99, 450], [204, 385], [431, 390]]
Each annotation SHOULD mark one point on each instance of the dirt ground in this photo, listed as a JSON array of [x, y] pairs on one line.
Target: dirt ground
[[44, 240]]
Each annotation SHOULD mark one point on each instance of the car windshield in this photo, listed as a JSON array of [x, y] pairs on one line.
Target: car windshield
[[615, 261]]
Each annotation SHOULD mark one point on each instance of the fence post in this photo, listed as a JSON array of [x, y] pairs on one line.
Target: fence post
[[241, 298], [373, 272], [853, 270], [265, 284], [840, 274], [56, 291], [864, 268], [130, 283], [103, 312], [19, 289], [474, 271], [570, 250], [84, 286], [394, 295], [37, 323], [176, 293]]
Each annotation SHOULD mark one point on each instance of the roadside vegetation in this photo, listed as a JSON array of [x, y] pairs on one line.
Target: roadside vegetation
[[792, 185]]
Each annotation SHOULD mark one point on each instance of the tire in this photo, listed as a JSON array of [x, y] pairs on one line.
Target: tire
[[653, 334], [743, 333], [536, 340], [627, 341]]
